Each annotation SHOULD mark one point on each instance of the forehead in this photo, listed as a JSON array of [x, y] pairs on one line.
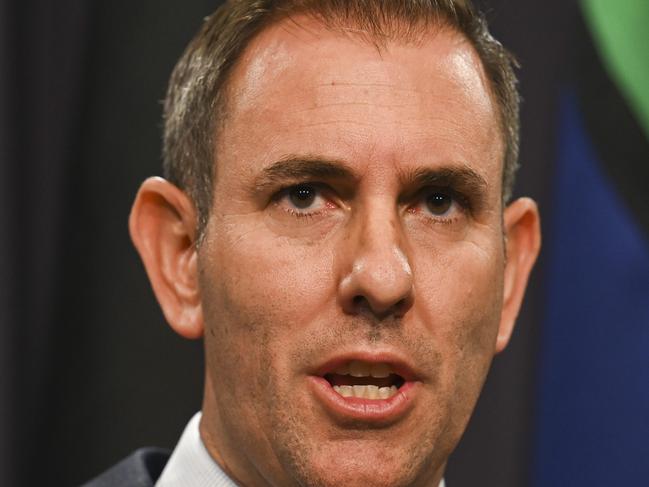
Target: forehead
[[301, 88]]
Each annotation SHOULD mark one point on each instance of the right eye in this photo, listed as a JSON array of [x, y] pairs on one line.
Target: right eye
[[303, 200]]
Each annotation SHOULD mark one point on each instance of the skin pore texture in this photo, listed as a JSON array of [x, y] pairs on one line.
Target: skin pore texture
[[357, 214]]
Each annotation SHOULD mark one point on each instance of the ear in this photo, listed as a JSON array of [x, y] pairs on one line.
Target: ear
[[163, 228], [522, 244]]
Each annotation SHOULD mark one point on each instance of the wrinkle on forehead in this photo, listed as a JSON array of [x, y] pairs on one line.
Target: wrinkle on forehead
[[275, 51]]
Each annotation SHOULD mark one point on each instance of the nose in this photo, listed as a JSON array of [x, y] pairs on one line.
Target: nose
[[378, 277]]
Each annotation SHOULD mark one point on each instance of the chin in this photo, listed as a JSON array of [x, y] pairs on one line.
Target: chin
[[361, 476], [360, 469]]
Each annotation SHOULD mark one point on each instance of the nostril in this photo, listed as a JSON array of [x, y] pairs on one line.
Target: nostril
[[402, 305], [360, 303]]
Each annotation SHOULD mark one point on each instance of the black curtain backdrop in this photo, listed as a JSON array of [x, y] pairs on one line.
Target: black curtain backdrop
[[89, 371]]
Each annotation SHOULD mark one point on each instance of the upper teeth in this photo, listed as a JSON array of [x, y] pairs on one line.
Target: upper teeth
[[356, 368]]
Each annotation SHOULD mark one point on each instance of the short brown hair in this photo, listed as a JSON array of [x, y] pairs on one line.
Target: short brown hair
[[196, 96]]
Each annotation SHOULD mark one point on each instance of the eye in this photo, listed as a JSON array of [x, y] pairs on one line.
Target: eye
[[302, 196], [304, 199], [439, 203]]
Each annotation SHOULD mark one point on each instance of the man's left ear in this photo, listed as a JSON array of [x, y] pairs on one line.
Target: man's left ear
[[523, 242]]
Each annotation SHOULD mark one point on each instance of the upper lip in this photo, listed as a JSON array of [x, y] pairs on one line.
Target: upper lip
[[400, 364]]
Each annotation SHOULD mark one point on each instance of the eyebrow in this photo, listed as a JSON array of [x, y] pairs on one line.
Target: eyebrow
[[299, 168], [302, 168], [457, 177]]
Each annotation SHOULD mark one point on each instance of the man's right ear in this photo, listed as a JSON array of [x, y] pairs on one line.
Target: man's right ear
[[163, 228]]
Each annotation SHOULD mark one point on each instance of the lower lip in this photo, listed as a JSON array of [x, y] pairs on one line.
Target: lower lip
[[379, 411]]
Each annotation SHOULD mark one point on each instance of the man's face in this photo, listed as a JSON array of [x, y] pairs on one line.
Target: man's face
[[355, 241]]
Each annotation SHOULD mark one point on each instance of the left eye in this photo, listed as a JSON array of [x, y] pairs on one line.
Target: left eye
[[302, 196], [439, 203]]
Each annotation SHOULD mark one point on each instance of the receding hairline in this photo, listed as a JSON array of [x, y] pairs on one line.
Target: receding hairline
[[416, 35]]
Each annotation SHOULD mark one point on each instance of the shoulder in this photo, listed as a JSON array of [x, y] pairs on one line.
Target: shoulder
[[141, 469]]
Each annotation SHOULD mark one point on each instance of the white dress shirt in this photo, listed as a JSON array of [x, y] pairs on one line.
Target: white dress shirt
[[190, 464]]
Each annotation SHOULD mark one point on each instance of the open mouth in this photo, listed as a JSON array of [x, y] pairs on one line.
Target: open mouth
[[364, 380], [373, 388]]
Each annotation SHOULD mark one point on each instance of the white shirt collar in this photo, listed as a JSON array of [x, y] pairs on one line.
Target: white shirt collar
[[190, 464]]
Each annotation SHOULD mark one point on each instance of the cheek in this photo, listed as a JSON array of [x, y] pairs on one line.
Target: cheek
[[461, 284], [459, 294], [460, 300], [260, 293], [266, 278]]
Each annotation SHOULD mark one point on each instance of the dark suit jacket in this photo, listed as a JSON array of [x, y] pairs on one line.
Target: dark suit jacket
[[141, 469]]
